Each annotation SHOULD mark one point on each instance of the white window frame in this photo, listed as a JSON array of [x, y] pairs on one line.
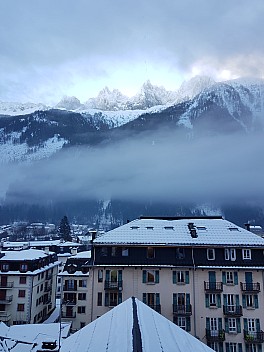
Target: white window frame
[[251, 325], [232, 347], [180, 277], [182, 322], [212, 251], [230, 254], [230, 277], [212, 300], [232, 325], [250, 303], [252, 347], [150, 272], [246, 253]]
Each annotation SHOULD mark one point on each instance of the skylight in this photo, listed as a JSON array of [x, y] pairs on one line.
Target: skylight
[[134, 227], [168, 227], [233, 229], [201, 228], [149, 227]]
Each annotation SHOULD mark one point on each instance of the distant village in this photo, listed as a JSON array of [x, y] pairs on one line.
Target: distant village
[[200, 277]]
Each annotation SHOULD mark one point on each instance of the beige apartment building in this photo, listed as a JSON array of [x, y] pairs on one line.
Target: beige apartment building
[[204, 274], [27, 286]]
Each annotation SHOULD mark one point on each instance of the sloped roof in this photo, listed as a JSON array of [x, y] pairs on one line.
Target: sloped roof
[[176, 232], [132, 326]]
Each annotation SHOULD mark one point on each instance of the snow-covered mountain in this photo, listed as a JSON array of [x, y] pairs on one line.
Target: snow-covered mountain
[[14, 109], [69, 103], [189, 89]]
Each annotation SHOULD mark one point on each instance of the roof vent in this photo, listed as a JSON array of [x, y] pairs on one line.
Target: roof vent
[[247, 226], [192, 230]]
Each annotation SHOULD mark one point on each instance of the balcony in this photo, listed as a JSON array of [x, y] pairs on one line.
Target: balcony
[[232, 311], [69, 288], [5, 316], [250, 287], [6, 300], [69, 302], [253, 337], [47, 301], [68, 314], [213, 286], [156, 307], [215, 335], [7, 284], [113, 285], [179, 309]]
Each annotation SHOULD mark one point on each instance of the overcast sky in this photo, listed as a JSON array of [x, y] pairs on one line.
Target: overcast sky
[[76, 47]]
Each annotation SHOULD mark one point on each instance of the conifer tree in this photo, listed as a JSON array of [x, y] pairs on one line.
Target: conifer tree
[[64, 229]]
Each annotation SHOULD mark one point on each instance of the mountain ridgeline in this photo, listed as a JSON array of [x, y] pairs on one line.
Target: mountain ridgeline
[[200, 108]]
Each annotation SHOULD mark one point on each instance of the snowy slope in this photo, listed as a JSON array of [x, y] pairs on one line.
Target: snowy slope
[[14, 109]]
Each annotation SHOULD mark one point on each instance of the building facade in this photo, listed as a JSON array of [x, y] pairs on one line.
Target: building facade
[[27, 286], [204, 274]]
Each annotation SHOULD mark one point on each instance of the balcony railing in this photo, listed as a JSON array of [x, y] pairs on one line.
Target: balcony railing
[[213, 286], [250, 286], [68, 315], [156, 307], [6, 300], [215, 335], [69, 288], [253, 337], [6, 285], [5, 316], [232, 311], [67, 302], [179, 309], [113, 285]]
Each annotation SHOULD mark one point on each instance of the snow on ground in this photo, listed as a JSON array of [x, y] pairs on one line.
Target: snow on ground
[[14, 109]]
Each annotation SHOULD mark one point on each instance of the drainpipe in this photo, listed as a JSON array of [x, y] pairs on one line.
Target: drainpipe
[[31, 293], [194, 296]]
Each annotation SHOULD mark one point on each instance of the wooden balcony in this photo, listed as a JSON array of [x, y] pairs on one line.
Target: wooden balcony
[[179, 309], [215, 335], [233, 311], [113, 285], [213, 286], [6, 300], [7, 284], [253, 337], [250, 287]]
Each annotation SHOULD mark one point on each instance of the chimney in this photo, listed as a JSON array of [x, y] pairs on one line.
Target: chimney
[[192, 230], [74, 251], [247, 226], [46, 250]]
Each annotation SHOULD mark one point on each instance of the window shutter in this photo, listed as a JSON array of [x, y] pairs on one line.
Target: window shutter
[[256, 301], [187, 279], [240, 347], [157, 299], [188, 324], [119, 297], [145, 298], [237, 300], [187, 299], [259, 348], [220, 324], [258, 325], [207, 324], [144, 276], [221, 347], [107, 275], [247, 347], [226, 325], [227, 347], [238, 325], [174, 299], [107, 299], [244, 301], [207, 300], [119, 275], [225, 300], [235, 278], [174, 279], [224, 277], [245, 324], [218, 301], [156, 276]]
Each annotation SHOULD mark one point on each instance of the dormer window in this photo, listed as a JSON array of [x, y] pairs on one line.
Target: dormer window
[[168, 227], [230, 254], [180, 253], [5, 267], [23, 267], [134, 227], [246, 254], [210, 254], [150, 252]]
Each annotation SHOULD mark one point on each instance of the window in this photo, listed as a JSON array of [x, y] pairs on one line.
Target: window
[[38, 289], [82, 283], [233, 347], [201, 228], [100, 275], [81, 310], [23, 280], [81, 296], [99, 298], [210, 254], [21, 293], [229, 277], [250, 301], [41, 287], [246, 253], [103, 252], [5, 267], [124, 252], [150, 252], [180, 253], [20, 307], [215, 346], [252, 347], [232, 325], [233, 229], [23, 267], [212, 300], [251, 325], [82, 324], [168, 227], [113, 299], [42, 275], [134, 227], [230, 254], [150, 228], [182, 322], [180, 277], [114, 252]]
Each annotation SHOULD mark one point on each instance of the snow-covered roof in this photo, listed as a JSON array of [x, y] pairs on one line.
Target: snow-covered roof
[[210, 231], [39, 243], [132, 326], [85, 254], [27, 254]]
